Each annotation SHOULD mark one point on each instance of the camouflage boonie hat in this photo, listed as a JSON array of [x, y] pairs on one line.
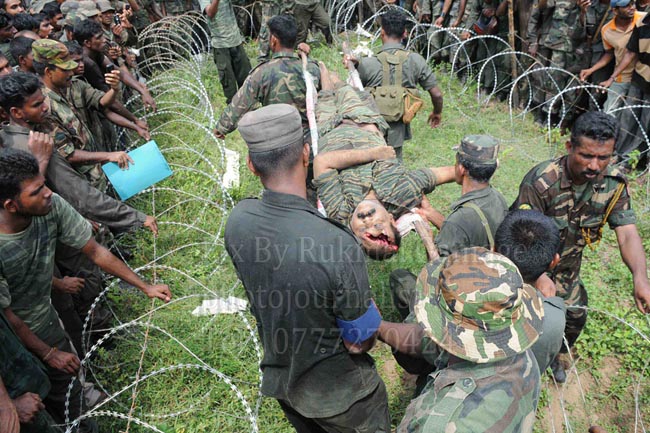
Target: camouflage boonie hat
[[87, 8], [69, 5], [482, 149], [53, 53], [480, 310]]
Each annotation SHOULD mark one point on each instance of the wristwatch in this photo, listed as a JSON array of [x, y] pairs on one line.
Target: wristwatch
[[442, 14]]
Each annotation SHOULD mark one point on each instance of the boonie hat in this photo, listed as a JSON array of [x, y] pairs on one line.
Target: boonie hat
[[272, 127], [87, 8], [54, 53], [104, 6], [482, 149], [478, 308]]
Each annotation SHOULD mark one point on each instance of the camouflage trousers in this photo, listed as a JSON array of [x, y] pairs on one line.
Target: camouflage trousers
[[557, 81], [269, 10], [574, 297], [368, 415]]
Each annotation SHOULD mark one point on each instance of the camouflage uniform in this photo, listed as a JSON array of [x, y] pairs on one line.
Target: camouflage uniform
[[415, 71], [271, 8], [495, 384], [306, 11], [444, 46], [280, 80], [565, 35], [595, 49], [174, 7], [228, 48], [577, 210]]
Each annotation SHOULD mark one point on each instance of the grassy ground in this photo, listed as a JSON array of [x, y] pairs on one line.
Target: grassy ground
[[204, 372]]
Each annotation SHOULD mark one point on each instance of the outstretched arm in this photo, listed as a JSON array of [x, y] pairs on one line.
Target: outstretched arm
[[631, 247], [342, 159]]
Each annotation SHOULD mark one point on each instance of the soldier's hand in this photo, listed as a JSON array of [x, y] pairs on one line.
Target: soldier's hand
[[63, 361], [642, 296], [435, 119], [151, 224], [9, 421], [546, 286], [113, 79], [532, 50], [304, 47], [122, 159], [27, 406], [160, 291], [40, 145], [71, 285], [219, 134]]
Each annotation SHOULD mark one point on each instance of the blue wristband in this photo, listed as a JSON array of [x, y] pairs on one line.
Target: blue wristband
[[359, 330]]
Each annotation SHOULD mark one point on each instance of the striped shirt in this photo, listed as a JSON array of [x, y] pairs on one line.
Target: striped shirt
[[639, 43]]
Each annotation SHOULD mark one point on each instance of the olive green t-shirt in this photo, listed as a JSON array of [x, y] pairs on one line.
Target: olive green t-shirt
[[27, 263]]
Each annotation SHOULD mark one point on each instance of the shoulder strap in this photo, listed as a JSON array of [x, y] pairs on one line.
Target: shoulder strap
[[585, 234], [484, 221], [396, 60]]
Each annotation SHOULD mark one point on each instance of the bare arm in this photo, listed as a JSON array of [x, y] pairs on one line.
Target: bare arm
[[83, 157], [403, 337], [125, 123], [628, 58], [211, 9], [342, 159], [113, 80], [423, 229], [112, 265], [444, 174], [435, 118], [363, 347], [129, 80], [631, 247], [9, 422], [40, 145], [55, 358], [601, 63]]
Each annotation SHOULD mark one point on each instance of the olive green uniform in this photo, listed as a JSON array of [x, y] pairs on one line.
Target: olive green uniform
[[415, 71]]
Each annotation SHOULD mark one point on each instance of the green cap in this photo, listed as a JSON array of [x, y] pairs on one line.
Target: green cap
[[480, 309], [53, 53], [270, 128], [87, 8], [105, 6], [482, 149]]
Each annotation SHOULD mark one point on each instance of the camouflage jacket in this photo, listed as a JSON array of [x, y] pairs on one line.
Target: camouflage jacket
[[566, 30], [223, 26], [278, 81], [499, 397], [71, 132], [578, 214], [539, 22]]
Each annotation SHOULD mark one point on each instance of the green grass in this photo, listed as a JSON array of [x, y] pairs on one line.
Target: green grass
[[201, 401]]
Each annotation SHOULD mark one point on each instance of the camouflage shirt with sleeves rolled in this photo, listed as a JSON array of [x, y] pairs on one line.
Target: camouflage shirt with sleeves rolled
[[70, 131], [27, 264], [577, 212], [223, 26], [278, 81]]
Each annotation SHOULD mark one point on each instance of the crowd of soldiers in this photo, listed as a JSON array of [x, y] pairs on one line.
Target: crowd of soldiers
[[483, 319]]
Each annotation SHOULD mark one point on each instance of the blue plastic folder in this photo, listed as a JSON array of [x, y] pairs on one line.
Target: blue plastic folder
[[149, 167]]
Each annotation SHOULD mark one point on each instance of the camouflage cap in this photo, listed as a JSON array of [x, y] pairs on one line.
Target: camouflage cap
[[481, 310], [272, 127], [482, 149], [104, 6], [37, 6], [69, 5], [72, 19], [53, 53], [87, 8]]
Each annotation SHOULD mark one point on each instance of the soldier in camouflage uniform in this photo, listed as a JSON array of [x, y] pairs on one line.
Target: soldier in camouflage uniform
[[566, 32], [474, 319], [23, 380], [358, 181], [450, 13], [308, 11], [72, 137], [582, 192], [271, 8], [278, 81]]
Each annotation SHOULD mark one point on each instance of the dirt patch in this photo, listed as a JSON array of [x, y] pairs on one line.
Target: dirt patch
[[584, 401]]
